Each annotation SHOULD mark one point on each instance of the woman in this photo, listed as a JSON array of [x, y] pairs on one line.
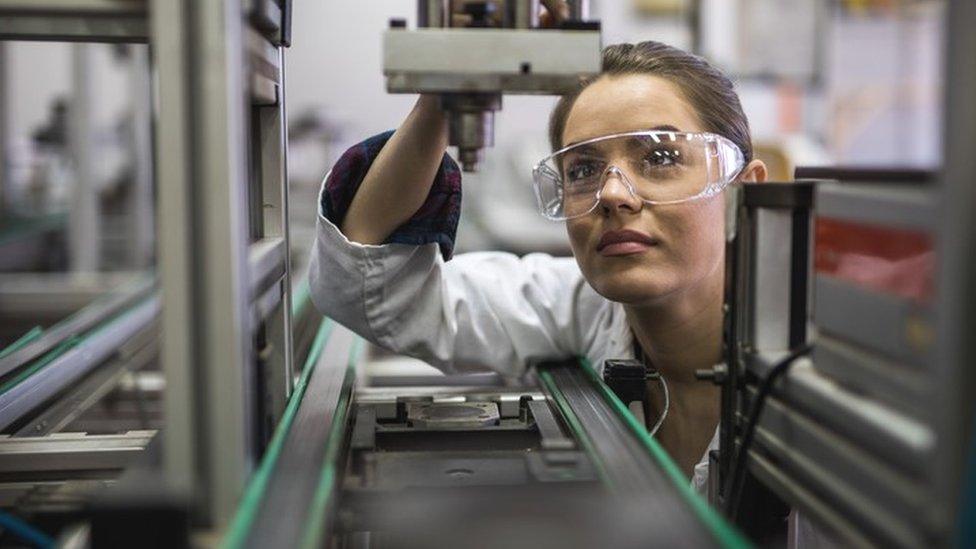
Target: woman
[[645, 217]]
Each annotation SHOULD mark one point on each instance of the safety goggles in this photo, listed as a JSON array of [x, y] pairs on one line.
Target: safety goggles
[[657, 167]]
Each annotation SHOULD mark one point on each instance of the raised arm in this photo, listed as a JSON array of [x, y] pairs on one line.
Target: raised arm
[[399, 179]]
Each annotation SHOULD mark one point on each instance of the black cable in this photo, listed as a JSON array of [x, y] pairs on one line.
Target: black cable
[[733, 494]]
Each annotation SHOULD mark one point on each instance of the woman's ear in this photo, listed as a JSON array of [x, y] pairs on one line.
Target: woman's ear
[[754, 172]]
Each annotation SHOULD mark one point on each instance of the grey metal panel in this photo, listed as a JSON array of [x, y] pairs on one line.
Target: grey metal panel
[[770, 284], [803, 470], [885, 324], [895, 206], [810, 504], [495, 51], [862, 371], [891, 495], [74, 363], [907, 443]]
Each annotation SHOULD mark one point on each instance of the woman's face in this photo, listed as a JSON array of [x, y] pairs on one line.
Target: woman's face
[[683, 243]]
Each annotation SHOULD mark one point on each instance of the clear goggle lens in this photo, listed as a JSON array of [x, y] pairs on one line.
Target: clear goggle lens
[[658, 167]]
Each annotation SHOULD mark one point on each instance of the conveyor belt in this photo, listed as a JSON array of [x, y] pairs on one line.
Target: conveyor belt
[[629, 461], [285, 505]]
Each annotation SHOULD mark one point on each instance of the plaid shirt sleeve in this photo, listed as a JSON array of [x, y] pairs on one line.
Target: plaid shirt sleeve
[[435, 221]]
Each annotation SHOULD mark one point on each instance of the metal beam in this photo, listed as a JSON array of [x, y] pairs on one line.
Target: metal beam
[[74, 20], [71, 452], [201, 160]]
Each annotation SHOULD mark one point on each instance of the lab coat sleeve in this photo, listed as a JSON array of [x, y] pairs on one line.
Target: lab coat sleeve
[[435, 221], [480, 310]]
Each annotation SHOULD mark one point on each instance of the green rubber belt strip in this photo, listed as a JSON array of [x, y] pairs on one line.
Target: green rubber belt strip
[[241, 525], [37, 330], [64, 346], [725, 534], [38, 364], [22, 340], [315, 531]]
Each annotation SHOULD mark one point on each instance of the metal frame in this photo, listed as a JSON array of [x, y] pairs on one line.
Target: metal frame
[[225, 277], [223, 250]]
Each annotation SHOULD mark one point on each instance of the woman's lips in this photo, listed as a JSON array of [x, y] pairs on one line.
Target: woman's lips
[[624, 242]]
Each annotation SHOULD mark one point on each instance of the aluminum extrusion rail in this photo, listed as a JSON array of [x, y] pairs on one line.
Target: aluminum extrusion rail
[[70, 360], [75, 325], [627, 459], [286, 504], [70, 454]]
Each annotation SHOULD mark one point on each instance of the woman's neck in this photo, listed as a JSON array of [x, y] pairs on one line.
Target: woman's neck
[[683, 332]]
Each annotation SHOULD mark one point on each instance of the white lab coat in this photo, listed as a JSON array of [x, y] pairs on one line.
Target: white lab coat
[[483, 310]]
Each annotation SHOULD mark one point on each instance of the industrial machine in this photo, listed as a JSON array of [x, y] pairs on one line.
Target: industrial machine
[[209, 338], [847, 394], [471, 53], [426, 461]]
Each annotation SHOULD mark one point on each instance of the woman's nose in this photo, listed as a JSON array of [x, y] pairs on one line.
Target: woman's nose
[[617, 192]]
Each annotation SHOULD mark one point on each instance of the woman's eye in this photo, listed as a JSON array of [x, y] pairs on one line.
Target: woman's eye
[[661, 158], [582, 170]]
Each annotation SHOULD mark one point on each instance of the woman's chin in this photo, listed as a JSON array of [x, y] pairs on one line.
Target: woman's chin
[[636, 290]]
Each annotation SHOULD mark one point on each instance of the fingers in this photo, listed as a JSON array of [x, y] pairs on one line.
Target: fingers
[[554, 12]]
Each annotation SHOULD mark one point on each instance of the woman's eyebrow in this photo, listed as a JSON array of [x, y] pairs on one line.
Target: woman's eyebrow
[[659, 128], [585, 149]]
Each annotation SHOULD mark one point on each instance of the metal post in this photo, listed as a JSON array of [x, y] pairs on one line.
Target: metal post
[[957, 293], [432, 13], [579, 10], [84, 235], [201, 170], [4, 130], [523, 14], [273, 146], [141, 216]]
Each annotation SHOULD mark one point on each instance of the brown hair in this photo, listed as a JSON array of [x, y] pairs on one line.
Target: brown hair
[[708, 90]]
